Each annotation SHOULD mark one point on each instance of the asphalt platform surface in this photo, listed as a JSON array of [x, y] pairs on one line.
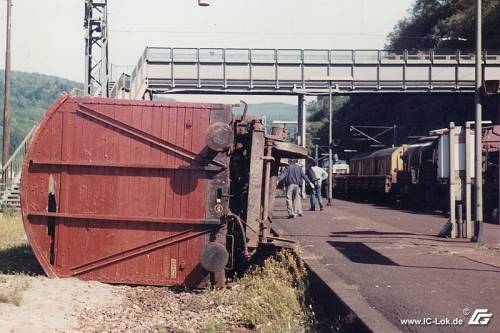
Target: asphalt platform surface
[[394, 262]]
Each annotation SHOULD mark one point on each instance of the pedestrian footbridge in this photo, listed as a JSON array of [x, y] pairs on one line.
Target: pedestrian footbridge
[[167, 70]]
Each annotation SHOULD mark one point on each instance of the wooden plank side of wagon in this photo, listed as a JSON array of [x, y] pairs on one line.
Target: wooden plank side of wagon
[[122, 219]]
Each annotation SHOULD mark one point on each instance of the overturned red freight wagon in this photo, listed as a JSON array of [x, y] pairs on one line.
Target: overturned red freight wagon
[[149, 193]]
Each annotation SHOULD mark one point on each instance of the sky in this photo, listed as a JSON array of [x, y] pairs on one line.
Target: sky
[[48, 36]]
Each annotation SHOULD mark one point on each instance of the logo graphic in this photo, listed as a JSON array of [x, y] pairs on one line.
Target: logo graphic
[[480, 317]]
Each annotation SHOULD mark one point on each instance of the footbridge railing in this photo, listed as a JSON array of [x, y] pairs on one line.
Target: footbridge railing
[[11, 171], [296, 71]]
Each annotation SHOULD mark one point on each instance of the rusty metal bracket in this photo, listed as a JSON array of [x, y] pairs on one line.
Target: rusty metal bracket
[[230, 263], [96, 115], [277, 238], [242, 221], [287, 240], [244, 116]]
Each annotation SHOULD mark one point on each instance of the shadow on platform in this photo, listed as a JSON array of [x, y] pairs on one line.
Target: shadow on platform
[[388, 204], [360, 253], [371, 233], [367, 234]]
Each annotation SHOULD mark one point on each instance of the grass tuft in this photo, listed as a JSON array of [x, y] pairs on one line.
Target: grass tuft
[[481, 247], [15, 257], [11, 231], [15, 253], [11, 290], [212, 325], [270, 297]]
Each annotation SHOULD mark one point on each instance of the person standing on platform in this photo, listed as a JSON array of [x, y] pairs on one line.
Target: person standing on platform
[[317, 175], [293, 176]]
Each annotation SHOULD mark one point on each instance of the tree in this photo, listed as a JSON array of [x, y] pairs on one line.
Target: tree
[[427, 23]]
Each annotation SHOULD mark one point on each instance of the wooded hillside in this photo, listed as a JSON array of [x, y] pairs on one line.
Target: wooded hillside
[[32, 94], [428, 22]]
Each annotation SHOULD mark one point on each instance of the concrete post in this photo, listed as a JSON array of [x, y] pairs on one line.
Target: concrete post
[[468, 181], [330, 142], [302, 121], [478, 170], [7, 109], [452, 141]]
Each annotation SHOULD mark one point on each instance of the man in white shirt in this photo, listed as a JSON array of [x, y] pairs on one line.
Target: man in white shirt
[[317, 175]]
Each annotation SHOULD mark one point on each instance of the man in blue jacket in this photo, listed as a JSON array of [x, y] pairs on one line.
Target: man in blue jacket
[[292, 177]]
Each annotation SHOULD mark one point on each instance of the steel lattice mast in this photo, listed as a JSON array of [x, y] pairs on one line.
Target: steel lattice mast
[[96, 48]]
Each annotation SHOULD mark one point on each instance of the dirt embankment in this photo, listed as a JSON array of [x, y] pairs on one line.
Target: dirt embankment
[[269, 298], [47, 305], [71, 305], [30, 302]]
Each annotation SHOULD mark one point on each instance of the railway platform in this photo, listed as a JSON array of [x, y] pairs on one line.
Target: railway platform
[[387, 265]]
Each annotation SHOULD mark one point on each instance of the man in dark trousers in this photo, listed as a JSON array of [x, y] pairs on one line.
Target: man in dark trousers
[[317, 175], [292, 177]]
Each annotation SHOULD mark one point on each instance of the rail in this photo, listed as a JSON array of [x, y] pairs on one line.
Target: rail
[[312, 56], [11, 171]]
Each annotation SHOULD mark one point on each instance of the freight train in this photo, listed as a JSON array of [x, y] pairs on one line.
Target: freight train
[[409, 173], [149, 193]]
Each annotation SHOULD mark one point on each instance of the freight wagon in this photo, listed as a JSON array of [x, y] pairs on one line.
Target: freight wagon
[[375, 172], [149, 193], [410, 174], [407, 173]]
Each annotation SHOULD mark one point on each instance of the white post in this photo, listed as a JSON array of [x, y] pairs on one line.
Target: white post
[[452, 179], [302, 131], [302, 121], [468, 180]]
